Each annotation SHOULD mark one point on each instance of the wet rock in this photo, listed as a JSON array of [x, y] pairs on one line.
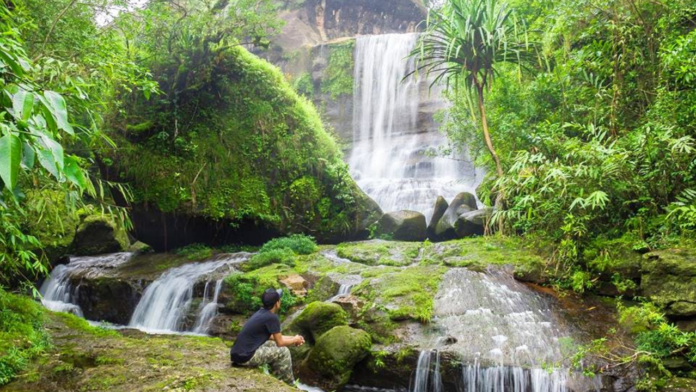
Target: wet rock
[[403, 225], [351, 304], [472, 223], [296, 284], [98, 234], [677, 384], [687, 325], [330, 363], [318, 318], [107, 299], [462, 203], [441, 206], [139, 247], [669, 280], [677, 363]]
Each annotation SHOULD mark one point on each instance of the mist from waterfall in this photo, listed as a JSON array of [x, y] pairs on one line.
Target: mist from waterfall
[[393, 130]]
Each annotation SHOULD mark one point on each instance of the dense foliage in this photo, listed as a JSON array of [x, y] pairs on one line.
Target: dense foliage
[[597, 141]]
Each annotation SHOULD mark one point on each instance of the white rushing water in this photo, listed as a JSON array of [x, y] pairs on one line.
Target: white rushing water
[[393, 130], [58, 292], [167, 301], [508, 337]]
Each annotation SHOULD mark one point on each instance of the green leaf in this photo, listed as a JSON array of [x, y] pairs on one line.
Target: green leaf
[[74, 173], [46, 160], [56, 150], [15, 64], [10, 158], [55, 104], [22, 103], [28, 156]]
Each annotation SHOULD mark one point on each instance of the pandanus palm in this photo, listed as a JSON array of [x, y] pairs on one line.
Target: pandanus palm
[[464, 42]]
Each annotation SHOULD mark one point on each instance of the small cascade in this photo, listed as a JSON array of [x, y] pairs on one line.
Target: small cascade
[[504, 334], [208, 309], [394, 131], [344, 290], [58, 292], [167, 301], [428, 377]]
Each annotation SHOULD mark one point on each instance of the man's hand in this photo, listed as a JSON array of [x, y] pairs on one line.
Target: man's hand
[[299, 340]]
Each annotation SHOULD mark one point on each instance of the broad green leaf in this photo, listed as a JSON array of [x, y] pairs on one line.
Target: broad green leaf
[[22, 103], [74, 173], [55, 149], [13, 63], [46, 160], [28, 156], [55, 103], [10, 158]]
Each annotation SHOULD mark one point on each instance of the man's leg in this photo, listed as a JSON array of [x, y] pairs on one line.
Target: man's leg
[[278, 358]]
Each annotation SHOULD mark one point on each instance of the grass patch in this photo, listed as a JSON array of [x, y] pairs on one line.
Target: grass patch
[[80, 324], [22, 335], [299, 243], [380, 252]]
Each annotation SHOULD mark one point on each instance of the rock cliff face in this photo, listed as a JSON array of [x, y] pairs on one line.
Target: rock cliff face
[[319, 21]]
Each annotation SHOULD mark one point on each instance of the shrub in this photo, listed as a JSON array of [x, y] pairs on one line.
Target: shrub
[[274, 256], [299, 243], [195, 252]]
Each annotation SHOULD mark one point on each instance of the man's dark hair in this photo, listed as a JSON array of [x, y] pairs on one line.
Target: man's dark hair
[[270, 297]]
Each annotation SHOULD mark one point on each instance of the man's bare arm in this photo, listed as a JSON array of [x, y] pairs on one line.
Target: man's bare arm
[[285, 341]]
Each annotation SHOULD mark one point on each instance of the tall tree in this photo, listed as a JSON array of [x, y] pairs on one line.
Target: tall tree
[[464, 42]]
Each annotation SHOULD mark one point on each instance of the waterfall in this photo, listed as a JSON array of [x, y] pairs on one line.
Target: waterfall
[[166, 301], [505, 335], [208, 309], [428, 378], [393, 130], [57, 290]]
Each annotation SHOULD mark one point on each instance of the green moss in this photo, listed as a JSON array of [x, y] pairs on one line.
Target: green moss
[[380, 252], [338, 77], [22, 334], [80, 324], [252, 151], [275, 256], [195, 252], [337, 352], [318, 318], [304, 85], [403, 293]]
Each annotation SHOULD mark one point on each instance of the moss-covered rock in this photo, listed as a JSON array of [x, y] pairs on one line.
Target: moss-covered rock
[[254, 156], [462, 203], [669, 280], [439, 210], [318, 318], [98, 234], [331, 362], [380, 252], [403, 226]]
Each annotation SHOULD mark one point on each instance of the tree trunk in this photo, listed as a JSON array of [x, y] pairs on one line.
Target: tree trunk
[[487, 136]]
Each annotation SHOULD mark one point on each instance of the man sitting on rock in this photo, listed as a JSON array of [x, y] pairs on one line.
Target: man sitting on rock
[[260, 341]]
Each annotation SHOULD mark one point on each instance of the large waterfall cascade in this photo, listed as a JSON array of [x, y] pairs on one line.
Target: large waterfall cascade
[[507, 336], [393, 130]]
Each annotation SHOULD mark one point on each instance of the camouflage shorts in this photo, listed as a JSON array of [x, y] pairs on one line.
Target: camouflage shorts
[[277, 358]]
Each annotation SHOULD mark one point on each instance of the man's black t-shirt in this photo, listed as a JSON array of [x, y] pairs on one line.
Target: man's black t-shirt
[[257, 330]]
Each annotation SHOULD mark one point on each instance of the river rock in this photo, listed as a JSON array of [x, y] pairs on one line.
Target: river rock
[[441, 206], [330, 363], [98, 234], [351, 304], [316, 319], [296, 284], [403, 225], [669, 280], [472, 223], [462, 203]]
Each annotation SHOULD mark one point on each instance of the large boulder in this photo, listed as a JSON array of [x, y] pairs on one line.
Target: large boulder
[[439, 210], [669, 280], [403, 225], [98, 234], [462, 203], [331, 362], [317, 318], [472, 223]]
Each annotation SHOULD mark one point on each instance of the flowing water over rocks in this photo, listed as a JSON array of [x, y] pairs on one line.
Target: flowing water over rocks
[[60, 295], [166, 302], [393, 130], [507, 337]]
